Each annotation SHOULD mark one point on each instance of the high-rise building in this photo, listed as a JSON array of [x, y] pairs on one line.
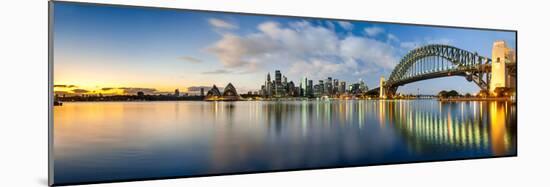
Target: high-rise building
[[335, 86], [177, 92], [303, 86], [328, 86], [362, 86], [309, 90], [342, 88], [277, 77], [321, 87], [268, 86], [291, 88], [316, 90]]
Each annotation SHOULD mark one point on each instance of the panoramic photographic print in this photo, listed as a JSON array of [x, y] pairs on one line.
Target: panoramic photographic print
[[155, 93]]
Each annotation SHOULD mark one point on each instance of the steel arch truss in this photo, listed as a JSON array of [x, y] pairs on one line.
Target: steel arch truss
[[433, 61]]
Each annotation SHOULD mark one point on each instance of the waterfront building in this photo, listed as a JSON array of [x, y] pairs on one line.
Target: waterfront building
[[303, 86], [321, 87], [317, 90], [279, 90], [362, 86], [177, 92], [335, 87], [268, 86], [309, 89], [355, 88], [213, 93], [328, 86], [342, 88], [229, 94]]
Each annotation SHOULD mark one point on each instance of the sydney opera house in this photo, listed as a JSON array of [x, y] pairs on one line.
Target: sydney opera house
[[229, 94]]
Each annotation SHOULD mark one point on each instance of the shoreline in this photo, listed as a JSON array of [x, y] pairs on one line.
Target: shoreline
[[507, 99]]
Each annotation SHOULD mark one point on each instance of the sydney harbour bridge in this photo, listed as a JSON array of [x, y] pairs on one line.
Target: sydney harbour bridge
[[436, 61]]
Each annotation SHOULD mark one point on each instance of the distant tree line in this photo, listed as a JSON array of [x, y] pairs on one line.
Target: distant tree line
[[448, 94]]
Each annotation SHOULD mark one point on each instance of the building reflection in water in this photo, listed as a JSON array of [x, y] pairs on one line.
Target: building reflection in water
[[196, 138]]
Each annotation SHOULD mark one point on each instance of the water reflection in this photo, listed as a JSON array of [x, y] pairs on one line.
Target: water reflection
[[127, 140]]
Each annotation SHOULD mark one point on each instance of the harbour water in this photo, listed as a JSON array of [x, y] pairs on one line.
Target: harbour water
[[99, 141]]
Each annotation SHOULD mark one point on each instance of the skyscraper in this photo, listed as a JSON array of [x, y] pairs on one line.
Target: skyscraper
[[321, 87], [309, 88], [335, 89], [362, 86], [328, 86], [277, 77], [304, 87], [342, 87], [177, 92], [278, 84], [268, 86]]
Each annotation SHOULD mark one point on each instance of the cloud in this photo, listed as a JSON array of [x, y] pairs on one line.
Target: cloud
[[369, 51], [133, 91], [345, 25], [303, 46], [392, 38], [107, 89], [218, 23], [190, 59], [80, 91], [330, 25], [64, 86], [219, 71], [373, 31]]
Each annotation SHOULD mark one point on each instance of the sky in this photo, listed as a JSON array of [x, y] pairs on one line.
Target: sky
[[122, 50]]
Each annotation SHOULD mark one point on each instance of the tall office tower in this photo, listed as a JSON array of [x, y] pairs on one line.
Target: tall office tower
[[268, 86], [202, 91], [321, 87], [278, 84], [316, 90], [310, 88], [335, 86], [328, 86], [342, 89], [177, 92], [304, 87], [362, 86], [277, 77], [290, 88]]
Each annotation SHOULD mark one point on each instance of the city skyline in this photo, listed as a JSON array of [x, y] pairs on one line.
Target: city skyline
[[110, 50]]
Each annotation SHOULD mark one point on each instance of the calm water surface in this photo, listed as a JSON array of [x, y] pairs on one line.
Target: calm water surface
[[99, 141]]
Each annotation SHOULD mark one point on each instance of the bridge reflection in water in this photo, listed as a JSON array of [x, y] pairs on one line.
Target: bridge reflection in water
[[478, 126], [425, 126], [186, 138]]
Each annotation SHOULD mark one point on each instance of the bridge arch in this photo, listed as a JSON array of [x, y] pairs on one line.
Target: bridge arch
[[437, 60]]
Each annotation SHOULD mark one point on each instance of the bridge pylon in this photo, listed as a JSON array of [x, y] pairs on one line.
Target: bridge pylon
[[382, 91]]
